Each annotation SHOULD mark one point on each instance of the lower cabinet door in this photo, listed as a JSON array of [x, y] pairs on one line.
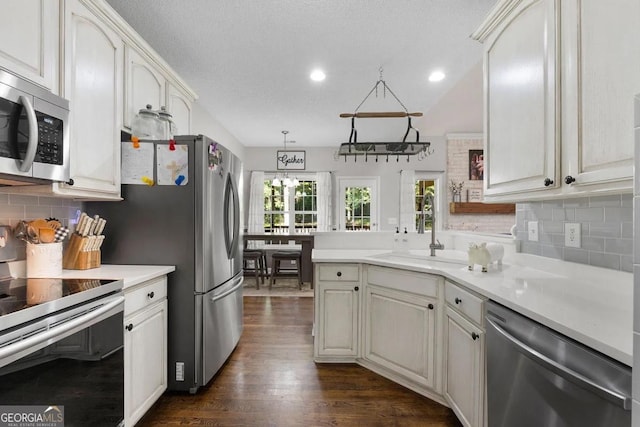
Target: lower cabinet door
[[464, 359], [337, 320], [145, 360], [400, 333]]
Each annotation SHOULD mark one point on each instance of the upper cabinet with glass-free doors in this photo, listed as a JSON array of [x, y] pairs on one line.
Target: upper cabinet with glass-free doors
[[559, 84], [29, 40]]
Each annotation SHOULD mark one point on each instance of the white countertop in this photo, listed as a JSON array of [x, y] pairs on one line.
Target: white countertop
[[131, 275], [589, 304]]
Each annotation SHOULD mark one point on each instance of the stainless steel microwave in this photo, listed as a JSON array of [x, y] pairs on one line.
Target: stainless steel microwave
[[34, 133]]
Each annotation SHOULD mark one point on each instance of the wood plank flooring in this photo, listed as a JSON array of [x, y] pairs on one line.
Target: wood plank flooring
[[271, 380]]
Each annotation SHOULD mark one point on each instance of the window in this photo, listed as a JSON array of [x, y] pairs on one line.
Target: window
[[357, 203], [422, 188], [290, 209]]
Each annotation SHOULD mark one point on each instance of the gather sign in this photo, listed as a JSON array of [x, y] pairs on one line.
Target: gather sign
[[291, 160]]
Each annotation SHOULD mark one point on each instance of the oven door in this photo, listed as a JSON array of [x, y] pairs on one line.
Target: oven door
[[73, 361]]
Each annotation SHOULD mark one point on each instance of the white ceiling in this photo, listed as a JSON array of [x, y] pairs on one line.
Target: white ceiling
[[250, 60]]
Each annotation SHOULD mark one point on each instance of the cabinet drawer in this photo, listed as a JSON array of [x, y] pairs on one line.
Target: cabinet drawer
[[339, 272], [417, 283], [145, 294], [465, 302]]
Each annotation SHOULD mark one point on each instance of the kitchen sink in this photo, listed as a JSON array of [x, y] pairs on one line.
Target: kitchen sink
[[422, 259]]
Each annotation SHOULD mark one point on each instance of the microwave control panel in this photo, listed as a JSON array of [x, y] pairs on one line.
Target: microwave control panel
[[50, 140]]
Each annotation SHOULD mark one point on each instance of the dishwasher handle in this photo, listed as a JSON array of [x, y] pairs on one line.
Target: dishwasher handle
[[563, 371]]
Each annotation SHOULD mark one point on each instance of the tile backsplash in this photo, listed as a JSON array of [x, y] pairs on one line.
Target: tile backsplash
[[606, 224], [15, 207]]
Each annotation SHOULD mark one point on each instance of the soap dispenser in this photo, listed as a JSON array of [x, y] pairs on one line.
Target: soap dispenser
[[404, 245], [397, 240]]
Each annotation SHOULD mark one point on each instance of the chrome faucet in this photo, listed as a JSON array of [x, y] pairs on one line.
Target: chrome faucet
[[433, 246]]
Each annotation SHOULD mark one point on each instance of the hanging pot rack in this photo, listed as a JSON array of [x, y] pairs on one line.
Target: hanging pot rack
[[353, 148]]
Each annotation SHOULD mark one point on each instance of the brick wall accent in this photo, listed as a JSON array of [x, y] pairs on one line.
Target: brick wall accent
[[458, 147]]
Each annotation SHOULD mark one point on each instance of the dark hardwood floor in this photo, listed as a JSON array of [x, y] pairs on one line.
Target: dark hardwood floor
[[271, 380]]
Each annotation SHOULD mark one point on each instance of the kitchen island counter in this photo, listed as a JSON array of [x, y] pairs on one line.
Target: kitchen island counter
[[592, 305]]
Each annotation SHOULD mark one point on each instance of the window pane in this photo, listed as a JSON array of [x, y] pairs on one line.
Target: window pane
[[422, 188], [302, 199], [357, 208]]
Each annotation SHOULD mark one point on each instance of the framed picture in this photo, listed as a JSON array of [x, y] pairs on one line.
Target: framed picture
[[476, 165], [474, 195], [291, 160]]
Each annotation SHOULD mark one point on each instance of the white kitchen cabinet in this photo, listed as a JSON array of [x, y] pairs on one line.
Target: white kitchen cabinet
[[144, 84], [145, 347], [337, 311], [464, 384], [93, 85], [559, 85], [179, 105], [29, 40], [521, 87], [601, 74], [401, 327]]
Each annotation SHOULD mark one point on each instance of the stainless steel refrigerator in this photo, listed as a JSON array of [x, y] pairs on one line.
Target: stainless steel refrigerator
[[196, 227]]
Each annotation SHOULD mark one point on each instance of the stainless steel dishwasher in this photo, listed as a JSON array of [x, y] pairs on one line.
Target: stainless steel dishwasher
[[538, 377]]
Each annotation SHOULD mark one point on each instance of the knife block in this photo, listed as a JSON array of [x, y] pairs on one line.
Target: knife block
[[77, 258]]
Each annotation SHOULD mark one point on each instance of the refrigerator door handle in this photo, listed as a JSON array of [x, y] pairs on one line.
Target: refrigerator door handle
[[231, 201], [235, 287]]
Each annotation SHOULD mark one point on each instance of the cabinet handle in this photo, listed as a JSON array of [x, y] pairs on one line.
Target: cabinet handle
[[458, 300], [548, 182], [356, 289], [430, 306], [569, 179], [151, 294], [474, 336], [129, 327], [339, 273]]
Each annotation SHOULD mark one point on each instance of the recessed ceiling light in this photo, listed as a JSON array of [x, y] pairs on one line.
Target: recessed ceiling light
[[317, 75], [436, 76]]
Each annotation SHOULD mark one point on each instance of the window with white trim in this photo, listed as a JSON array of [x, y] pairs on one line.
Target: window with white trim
[[290, 209]]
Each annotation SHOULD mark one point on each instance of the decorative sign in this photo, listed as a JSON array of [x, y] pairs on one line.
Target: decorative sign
[[291, 160], [474, 195]]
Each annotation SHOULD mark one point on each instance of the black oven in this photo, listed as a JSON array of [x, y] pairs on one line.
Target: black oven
[[34, 133], [61, 347]]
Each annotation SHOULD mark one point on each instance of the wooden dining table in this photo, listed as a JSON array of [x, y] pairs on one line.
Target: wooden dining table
[[305, 240]]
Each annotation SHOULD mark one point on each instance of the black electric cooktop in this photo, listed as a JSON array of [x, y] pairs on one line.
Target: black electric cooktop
[[23, 300]]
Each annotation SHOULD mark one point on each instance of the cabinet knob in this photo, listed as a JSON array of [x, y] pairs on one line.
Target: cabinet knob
[[474, 336], [430, 306], [569, 179], [129, 327], [356, 289], [548, 182], [70, 182], [151, 294], [458, 300], [339, 273]]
